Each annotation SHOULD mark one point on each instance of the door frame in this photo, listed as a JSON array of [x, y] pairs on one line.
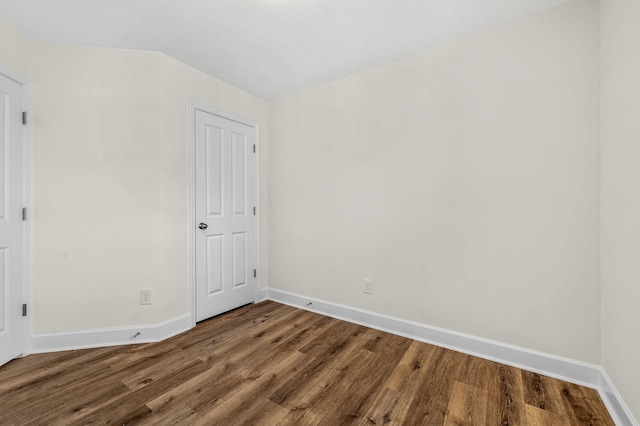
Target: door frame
[[199, 106], [26, 202]]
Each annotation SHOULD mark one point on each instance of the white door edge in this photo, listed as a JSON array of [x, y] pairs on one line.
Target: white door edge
[[199, 106], [27, 152], [26, 200]]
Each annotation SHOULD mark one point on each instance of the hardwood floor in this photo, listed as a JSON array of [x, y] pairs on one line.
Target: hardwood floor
[[271, 364]]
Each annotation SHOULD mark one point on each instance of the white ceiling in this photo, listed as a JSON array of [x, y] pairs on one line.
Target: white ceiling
[[267, 47]]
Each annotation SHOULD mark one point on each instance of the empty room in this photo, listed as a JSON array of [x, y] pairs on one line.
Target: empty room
[[320, 212]]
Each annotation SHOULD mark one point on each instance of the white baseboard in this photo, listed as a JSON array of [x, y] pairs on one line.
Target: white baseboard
[[618, 409], [53, 342], [585, 374]]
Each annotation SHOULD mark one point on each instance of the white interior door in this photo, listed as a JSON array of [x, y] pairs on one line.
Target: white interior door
[[225, 192], [11, 226]]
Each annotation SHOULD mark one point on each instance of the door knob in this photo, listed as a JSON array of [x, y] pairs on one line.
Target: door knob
[[202, 226]]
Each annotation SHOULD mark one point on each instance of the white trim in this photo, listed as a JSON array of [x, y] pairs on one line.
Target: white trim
[[570, 370], [199, 106], [192, 210], [256, 296], [53, 342], [612, 399], [26, 182], [14, 77]]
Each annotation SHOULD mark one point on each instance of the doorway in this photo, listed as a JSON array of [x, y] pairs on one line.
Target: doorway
[[224, 227]]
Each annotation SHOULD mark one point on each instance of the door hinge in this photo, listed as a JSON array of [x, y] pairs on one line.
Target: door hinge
[[255, 273], [254, 148], [24, 309], [24, 213], [24, 117], [254, 211]]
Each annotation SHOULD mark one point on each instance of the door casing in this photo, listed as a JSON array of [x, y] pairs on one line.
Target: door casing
[[193, 107]]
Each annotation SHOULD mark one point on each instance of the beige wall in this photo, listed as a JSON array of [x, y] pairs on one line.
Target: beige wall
[[15, 52], [620, 232], [463, 181], [95, 188], [111, 180]]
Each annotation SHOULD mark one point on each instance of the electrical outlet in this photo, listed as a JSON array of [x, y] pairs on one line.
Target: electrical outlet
[[145, 296], [368, 286]]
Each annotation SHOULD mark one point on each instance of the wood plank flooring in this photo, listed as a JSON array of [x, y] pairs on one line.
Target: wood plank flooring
[[270, 364]]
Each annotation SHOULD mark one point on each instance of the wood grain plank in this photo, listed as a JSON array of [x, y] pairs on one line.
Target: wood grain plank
[[226, 374], [536, 393], [413, 367], [237, 339], [537, 416], [467, 406], [162, 367], [506, 396], [179, 414], [546, 393], [233, 408], [31, 370], [337, 343], [303, 416], [382, 408], [580, 403], [358, 396], [132, 406], [431, 399], [416, 357], [65, 393]]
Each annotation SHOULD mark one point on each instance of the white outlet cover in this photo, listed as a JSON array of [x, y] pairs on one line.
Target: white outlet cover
[[368, 286], [145, 296]]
